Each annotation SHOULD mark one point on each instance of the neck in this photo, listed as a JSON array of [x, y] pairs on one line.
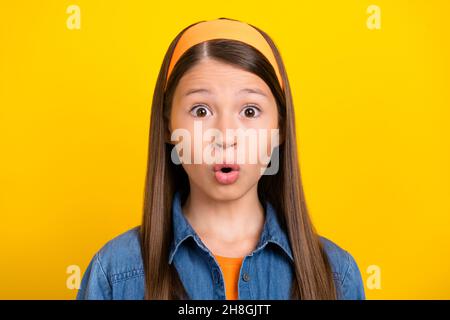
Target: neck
[[229, 221]]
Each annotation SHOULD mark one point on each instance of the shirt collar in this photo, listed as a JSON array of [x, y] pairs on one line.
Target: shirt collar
[[182, 230]]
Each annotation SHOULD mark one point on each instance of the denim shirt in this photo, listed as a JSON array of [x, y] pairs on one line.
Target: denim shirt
[[116, 270]]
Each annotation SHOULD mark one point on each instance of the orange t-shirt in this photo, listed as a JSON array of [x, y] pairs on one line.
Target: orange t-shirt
[[230, 268]]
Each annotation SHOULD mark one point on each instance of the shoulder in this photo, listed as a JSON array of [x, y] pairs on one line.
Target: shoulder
[[117, 260], [122, 253], [346, 273]]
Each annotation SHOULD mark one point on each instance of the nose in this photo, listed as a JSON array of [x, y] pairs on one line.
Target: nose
[[226, 122], [225, 145]]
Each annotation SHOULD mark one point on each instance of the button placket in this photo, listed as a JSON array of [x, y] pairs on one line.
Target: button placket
[[217, 277], [244, 278], [216, 274]]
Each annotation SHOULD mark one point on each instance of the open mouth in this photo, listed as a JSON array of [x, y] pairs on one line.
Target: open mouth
[[226, 173]]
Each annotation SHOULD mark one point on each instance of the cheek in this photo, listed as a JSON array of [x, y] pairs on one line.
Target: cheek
[[180, 121], [259, 149], [272, 138], [197, 173], [201, 177], [268, 132], [180, 117]]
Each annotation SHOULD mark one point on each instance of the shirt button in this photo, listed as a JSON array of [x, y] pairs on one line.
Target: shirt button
[[246, 277]]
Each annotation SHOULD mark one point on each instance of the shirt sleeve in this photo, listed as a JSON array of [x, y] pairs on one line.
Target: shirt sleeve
[[352, 284], [95, 284]]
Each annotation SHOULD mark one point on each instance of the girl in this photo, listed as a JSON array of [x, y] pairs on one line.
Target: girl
[[222, 230]]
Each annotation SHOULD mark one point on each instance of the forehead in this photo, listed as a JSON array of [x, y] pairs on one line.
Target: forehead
[[216, 75]]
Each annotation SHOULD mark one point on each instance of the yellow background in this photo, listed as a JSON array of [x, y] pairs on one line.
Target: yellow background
[[372, 111]]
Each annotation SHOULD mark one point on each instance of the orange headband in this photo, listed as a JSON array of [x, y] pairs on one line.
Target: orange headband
[[227, 29]]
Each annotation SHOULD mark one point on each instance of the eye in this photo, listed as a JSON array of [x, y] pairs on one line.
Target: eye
[[200, 111], [251, 111]]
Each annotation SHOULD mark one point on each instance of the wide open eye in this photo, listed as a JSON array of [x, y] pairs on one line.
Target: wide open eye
[[250, 111], [200, 111]]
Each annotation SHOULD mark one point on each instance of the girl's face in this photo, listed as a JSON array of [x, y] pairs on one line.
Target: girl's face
[[214, 97]]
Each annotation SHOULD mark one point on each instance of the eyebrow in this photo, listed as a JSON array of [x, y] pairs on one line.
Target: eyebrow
[[246, 90]]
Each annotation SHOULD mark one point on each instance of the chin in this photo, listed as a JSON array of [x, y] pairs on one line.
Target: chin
[[226, 192]]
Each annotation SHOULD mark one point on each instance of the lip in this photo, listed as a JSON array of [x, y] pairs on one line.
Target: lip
[[226, 178], [218, 167]]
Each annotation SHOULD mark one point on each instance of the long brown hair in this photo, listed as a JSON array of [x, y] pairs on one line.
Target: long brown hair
[[313, 277]]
